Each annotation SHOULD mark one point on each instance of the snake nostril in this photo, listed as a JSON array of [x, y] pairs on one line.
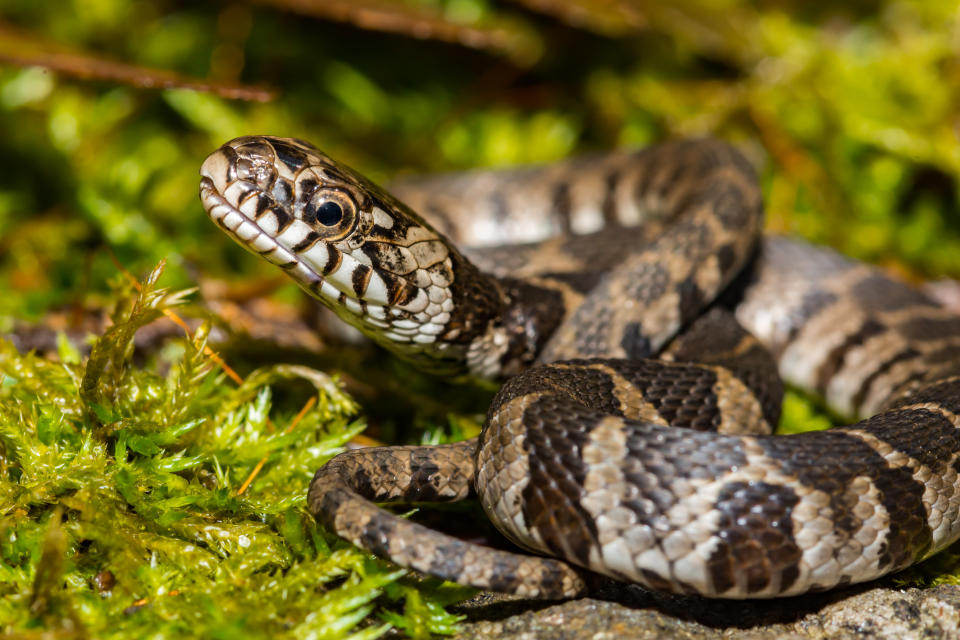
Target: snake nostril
[[244, 169], [256, 171]]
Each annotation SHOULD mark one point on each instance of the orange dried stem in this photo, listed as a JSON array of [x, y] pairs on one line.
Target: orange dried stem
[[297, 418], [253, 474]]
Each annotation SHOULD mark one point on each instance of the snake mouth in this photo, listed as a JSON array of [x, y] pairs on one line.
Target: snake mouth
[[243, 229]]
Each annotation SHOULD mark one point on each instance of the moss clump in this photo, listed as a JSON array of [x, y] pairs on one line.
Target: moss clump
[[120, 509]]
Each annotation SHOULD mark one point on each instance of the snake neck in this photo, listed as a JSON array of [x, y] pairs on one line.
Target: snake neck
[[513, 336]]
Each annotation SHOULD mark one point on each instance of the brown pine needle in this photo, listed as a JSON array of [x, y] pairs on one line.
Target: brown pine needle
[[253, 474], [312, 400]]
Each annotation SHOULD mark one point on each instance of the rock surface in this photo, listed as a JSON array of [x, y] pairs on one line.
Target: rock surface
[[619, 611]]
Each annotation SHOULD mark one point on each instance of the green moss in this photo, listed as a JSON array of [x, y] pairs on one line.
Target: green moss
[[121, 515]]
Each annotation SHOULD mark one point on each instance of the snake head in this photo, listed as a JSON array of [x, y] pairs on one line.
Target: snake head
[[344, 240]]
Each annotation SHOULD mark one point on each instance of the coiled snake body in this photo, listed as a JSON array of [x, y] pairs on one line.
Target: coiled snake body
[[631, 436]]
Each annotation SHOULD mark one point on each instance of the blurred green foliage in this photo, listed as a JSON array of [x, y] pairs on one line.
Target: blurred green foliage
[[849, 110]]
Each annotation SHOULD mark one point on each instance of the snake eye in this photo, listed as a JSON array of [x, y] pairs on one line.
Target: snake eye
[[331, 212]]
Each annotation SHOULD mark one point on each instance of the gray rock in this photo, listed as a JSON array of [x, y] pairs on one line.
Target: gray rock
[[619, 612]]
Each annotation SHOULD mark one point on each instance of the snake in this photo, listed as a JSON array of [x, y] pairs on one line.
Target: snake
[[642, 326]]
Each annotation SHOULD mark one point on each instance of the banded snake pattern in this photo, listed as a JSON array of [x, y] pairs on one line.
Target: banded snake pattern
[[639, 319]]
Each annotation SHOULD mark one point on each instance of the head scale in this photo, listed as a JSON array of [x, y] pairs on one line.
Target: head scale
[[343, 239]]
